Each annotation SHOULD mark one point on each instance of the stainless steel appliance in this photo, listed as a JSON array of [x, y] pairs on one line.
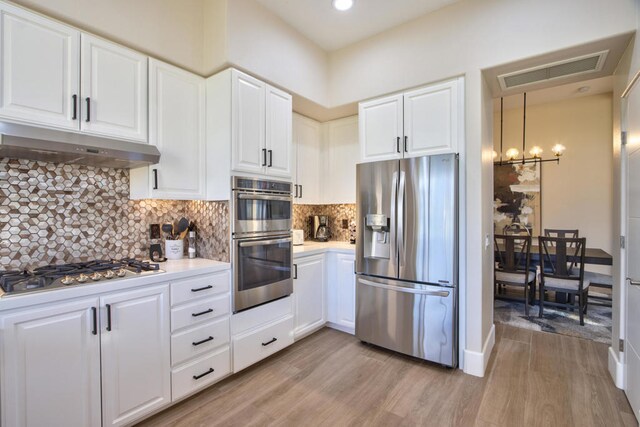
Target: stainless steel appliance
[[30, 142], [61, 276], [260, 206], [262, 241], [320, 228], [407, 256]]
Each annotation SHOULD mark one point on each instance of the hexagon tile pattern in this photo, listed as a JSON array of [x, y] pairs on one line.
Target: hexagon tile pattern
[[59, 213], [336, 213]]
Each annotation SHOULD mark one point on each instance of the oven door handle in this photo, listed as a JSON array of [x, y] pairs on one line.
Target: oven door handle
[[263, 197], [264, 242]]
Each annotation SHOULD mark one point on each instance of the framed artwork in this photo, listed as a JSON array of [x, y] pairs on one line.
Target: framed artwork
[[517, 197]]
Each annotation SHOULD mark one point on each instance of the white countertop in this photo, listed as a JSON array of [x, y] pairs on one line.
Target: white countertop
[[172, 270], [312, 248]]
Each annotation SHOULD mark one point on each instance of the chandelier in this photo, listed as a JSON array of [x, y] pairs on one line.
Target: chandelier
[[513, 154]]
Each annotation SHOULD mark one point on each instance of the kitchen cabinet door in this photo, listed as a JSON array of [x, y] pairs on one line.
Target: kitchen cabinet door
[[177, 128], [248, 153], [432, 118], [40, 69], [278, 133], [381, 131], [341, 301], [114, 90], [309, 160], [309, 295], [342, 155], [135, 354], [51, 366]]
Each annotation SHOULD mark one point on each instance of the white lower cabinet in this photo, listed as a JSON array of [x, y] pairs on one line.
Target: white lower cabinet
[[135, 354], [342, 292], [309, 294], [263, 342], [50, 372], [200, 332]]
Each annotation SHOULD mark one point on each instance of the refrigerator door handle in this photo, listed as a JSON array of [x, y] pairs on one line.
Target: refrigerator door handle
[[394, 202], [405, 289], [401, 218]]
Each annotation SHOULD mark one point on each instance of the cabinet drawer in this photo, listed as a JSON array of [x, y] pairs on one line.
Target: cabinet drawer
[[200, 373], [199, 287], [261, 315], [257, 345], [199, 340], [199, 312]]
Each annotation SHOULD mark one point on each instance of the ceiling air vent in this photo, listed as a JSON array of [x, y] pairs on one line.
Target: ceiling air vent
[[569, 67]]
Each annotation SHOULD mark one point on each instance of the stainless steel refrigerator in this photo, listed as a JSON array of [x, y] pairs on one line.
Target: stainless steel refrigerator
[[407, 256]]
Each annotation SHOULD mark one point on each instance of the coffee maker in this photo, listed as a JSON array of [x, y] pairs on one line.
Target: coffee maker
[[319, 228]]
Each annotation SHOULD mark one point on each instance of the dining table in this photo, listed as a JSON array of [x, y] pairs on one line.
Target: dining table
[[595, 256]]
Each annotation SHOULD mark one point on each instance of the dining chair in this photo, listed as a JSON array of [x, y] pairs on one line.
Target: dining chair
[[515, 228], [513, 255], [562, 270], [598, 280]]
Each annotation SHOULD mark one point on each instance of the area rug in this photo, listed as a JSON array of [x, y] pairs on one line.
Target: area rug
[[597, 322]]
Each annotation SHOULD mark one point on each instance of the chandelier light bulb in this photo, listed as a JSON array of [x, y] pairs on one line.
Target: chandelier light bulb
[[342, 5], [495, 154], [512, 153], [558, 150], [535, 152]]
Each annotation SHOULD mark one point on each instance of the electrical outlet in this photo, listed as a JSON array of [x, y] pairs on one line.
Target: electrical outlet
[[345, 224], [154, 231]]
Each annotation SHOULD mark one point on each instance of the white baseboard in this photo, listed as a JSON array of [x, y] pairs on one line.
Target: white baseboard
[[616, 369], [475, 363], [347, 329]]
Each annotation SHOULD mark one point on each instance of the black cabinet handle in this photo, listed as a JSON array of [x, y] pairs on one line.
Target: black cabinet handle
[[264, 157], [75, 107], [295, 271], [108, 317], [155, 179], [201, 289], [94, 315], [203, 341], [202, 312], [270, 158], [197, 377], [301, 191], [405, 143], [296, 194], [398, 144], [88, 109], [264, 344]]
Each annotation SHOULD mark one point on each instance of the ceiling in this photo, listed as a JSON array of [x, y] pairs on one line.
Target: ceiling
[[331, 29]]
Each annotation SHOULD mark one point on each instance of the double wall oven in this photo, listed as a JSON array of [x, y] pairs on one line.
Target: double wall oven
[[261, 241]]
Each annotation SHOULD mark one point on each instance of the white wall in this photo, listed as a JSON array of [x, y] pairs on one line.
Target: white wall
[[578, 192], [166, 29], [264, 45]]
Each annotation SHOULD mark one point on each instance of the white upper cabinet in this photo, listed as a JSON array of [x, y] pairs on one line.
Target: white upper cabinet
[[421, 122], [307, 139], [381, 129], [249, 116], [341, 152], [431, 119], [114, 90], [135, 341], [177, 128], [249, 126], [40, 69], [279, 132]]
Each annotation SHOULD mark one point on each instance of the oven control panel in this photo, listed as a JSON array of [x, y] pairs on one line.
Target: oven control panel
[[261, 185]]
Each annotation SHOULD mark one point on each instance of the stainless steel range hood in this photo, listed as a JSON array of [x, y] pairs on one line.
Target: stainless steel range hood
[[28, 142]]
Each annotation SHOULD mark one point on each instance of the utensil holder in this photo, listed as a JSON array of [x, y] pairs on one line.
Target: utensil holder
[[174, 249]]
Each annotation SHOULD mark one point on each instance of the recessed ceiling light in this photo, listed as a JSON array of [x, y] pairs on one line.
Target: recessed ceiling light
[[342, 4]]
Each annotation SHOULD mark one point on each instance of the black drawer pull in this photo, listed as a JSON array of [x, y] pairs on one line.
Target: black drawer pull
[[203, 341], [197, 377], [264, 344], [202, 312], [201, 289]]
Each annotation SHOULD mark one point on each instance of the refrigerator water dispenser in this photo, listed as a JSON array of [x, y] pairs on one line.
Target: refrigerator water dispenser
[[376, 241]]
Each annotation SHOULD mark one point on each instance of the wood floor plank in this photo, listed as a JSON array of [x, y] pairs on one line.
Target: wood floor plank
[[332, 379]]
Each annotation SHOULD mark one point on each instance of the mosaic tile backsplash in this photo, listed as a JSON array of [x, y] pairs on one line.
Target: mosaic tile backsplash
[[336, 213], [57, 213]]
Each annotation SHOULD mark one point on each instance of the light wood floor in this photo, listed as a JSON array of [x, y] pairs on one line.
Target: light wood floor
[[330, 378]]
